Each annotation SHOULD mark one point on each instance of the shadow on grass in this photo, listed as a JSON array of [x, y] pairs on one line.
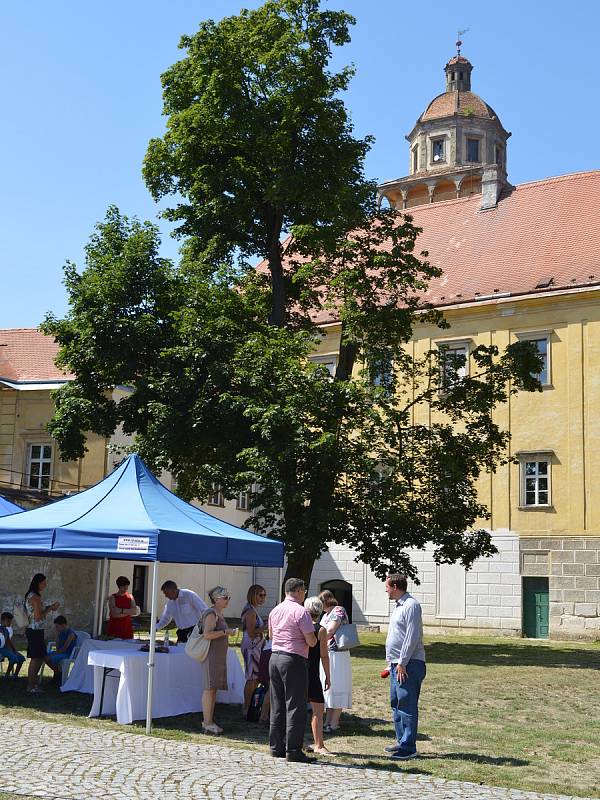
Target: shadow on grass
[[13, 694], [477, 758], [512, 655], [515, 653]]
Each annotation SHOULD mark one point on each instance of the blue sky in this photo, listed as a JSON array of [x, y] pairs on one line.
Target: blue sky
[[82, 97]]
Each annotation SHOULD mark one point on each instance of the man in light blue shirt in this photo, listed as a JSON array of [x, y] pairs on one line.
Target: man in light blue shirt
[[405, 655]]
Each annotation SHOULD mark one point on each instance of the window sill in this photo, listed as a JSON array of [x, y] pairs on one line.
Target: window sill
[[547, 507]]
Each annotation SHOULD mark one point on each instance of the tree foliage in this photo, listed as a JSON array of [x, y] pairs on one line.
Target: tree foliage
[[383, 455]]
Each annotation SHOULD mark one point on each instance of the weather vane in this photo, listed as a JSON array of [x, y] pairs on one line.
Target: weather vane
[[458, 41]]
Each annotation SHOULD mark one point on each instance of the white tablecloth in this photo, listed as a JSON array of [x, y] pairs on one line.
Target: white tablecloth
[[81, 677], [178, 683]]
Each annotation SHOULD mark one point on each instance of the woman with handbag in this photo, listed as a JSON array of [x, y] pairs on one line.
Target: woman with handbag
[[253, 639], [339, 696], [214, 666]]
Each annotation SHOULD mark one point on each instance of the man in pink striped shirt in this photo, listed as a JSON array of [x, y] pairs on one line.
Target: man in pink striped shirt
[[292, 634]]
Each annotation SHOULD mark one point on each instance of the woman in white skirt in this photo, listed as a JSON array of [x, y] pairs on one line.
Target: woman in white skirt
[[339, 696]]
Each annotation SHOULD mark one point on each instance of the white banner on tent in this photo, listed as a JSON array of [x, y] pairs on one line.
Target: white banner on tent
[[133, 544]]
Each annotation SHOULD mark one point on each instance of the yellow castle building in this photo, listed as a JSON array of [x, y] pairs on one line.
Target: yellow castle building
[[519, 262]]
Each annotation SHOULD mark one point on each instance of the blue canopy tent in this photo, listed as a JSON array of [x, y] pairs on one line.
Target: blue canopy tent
[[130, 515], [6, 507]]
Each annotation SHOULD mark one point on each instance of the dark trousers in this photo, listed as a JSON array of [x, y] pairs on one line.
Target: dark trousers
[[404, 699], [288, 675], [183, 634]]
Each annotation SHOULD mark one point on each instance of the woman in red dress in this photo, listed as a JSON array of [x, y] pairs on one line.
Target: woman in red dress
[[122, 608]]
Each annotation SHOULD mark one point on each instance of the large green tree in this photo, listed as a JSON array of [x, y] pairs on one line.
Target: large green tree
[[217, 353]]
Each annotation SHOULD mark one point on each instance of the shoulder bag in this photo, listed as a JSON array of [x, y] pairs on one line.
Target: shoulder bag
[[197, 646], [20, 614], [346, 636]]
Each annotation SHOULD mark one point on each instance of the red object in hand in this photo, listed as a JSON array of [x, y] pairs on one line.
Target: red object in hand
[[385, 673]]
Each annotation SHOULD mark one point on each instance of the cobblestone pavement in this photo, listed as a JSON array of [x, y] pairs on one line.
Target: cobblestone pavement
[[60, 762]]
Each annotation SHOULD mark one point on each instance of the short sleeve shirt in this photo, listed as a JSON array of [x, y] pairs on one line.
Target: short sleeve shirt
[[337, 614], [289, 621]]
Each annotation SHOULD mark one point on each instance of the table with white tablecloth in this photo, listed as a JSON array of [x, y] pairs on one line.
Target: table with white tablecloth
[[81, 676], [178, 682]]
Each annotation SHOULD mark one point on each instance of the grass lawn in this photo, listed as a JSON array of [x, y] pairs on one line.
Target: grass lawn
[[505, 712], [4, 796]]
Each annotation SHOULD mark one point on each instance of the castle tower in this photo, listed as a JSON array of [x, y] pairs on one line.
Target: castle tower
[[457, 148]]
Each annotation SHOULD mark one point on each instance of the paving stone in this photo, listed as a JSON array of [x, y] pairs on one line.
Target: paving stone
[[71, 763]]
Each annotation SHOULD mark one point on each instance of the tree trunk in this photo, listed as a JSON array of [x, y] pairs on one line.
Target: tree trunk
[[277, 315], [299, 565], [346, 359]]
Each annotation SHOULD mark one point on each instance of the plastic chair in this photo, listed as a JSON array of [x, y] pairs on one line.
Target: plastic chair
[[67, 663]]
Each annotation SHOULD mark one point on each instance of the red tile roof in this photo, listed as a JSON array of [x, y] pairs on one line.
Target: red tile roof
[[458, 60], [467, 103], [27, 355], [545, 232], [542, 231]]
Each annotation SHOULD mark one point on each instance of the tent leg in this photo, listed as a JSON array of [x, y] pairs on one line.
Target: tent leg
[[152, 646], [97, 598], [105, 575]]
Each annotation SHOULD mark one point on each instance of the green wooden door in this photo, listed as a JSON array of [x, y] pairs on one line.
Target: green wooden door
[[536, 608]]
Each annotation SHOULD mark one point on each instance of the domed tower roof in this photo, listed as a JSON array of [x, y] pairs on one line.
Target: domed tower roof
[[458, 97], [456, 148], [468, 104]]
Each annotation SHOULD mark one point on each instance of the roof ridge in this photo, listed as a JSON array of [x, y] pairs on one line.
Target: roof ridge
[[558, 178], [14, 330]]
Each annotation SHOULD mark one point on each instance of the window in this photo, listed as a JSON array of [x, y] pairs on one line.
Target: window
[[242, 502], [499, 156], [542, 343], [473, 150], [535, 480], [381, 372], [438, 150], [216, 498], [39, 466], [415, 158], [329, 362], [454, 363]]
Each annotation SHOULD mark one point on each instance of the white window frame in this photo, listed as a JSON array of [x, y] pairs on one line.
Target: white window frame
[[330, 360], [41, 461], [242, 501], [457, 345], [216, 498], [535, 457], [539, 336]]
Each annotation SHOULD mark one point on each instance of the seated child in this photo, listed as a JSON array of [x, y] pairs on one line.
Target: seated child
[[7, 647], [65, 643]]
